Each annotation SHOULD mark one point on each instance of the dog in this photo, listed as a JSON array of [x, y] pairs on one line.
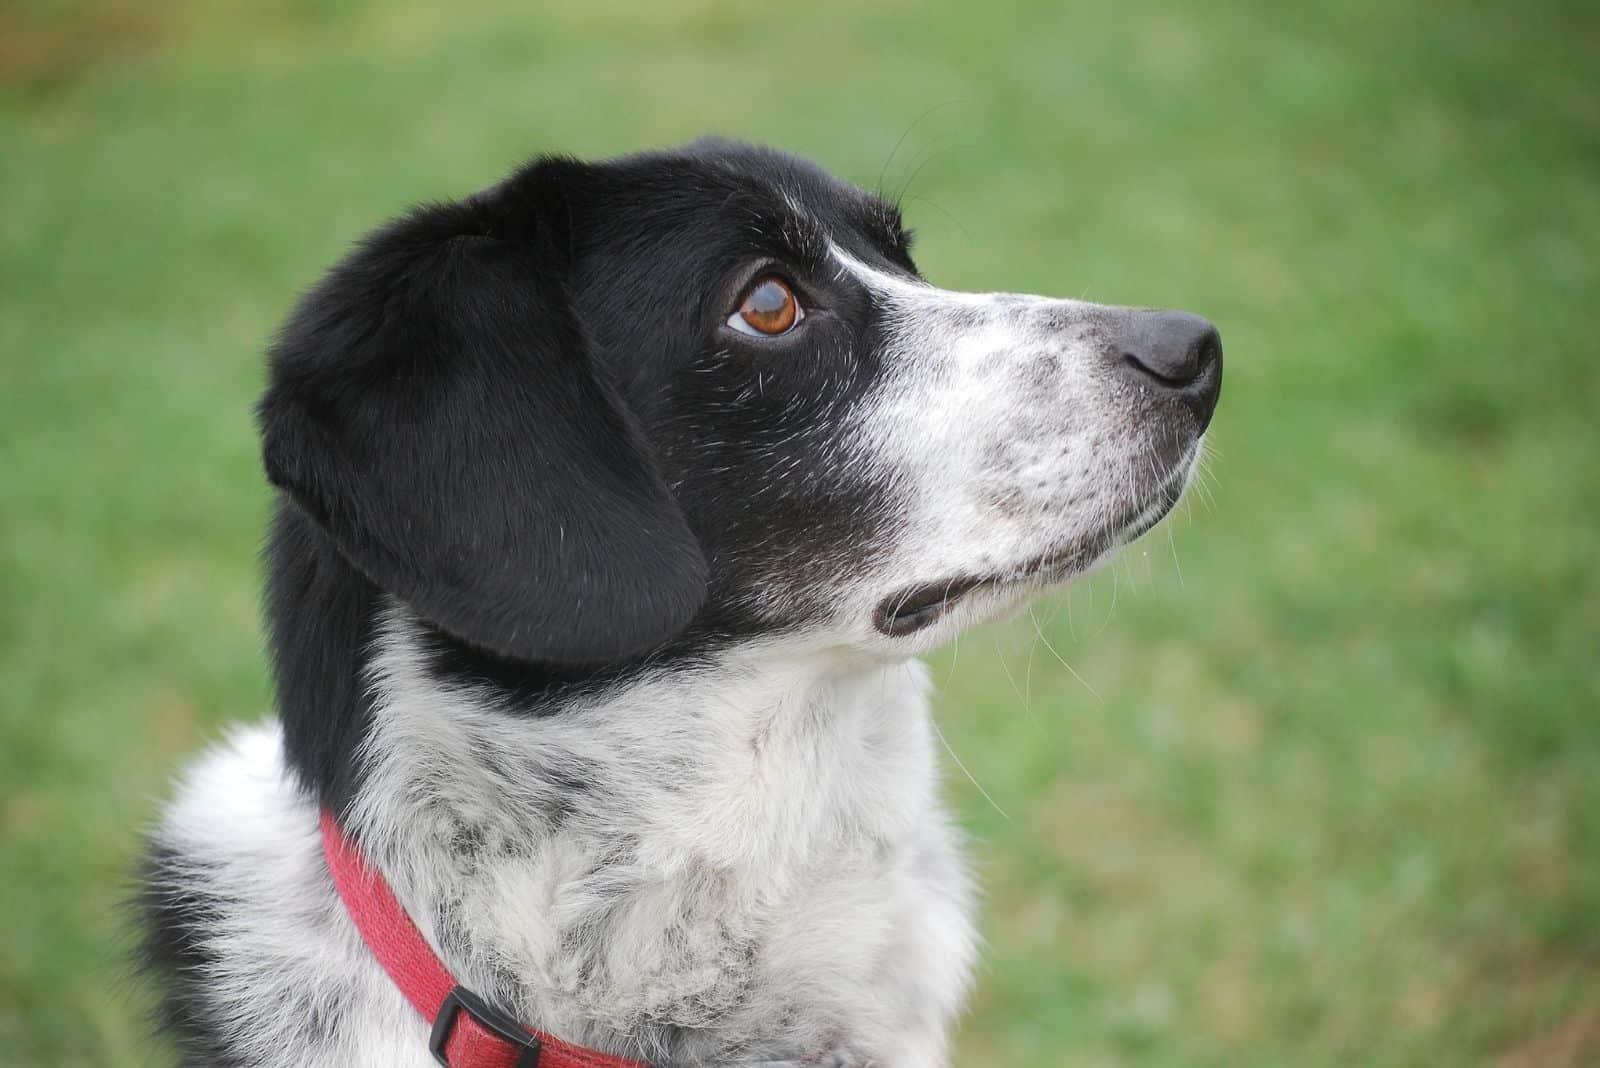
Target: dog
[[615, 505]]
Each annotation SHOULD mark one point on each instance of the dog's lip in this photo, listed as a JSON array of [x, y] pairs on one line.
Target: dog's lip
[[912, 609], [920, 606]]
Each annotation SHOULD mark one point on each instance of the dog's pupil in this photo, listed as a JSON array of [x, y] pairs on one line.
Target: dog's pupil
[[770, 307]]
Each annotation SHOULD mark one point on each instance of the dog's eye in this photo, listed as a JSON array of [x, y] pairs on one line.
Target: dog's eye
[[768, 309]]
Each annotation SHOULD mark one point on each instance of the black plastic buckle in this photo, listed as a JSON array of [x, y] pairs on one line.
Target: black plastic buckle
[[493, 1020]]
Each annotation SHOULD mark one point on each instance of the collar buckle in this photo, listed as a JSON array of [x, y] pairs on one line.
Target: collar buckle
[[487, 1017]]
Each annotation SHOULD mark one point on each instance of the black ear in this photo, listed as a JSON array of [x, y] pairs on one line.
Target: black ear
[[433, 406]]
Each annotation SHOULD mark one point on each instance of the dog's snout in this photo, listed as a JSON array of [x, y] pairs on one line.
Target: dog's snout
[[1177, 351]]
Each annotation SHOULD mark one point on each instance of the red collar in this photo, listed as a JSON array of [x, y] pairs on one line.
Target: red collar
[[467, 1032]]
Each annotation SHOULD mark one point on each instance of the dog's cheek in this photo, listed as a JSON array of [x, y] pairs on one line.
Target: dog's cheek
[[793, 512], [821, 539], [986, 433]]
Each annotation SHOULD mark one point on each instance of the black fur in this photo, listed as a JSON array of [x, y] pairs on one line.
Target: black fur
[[175, 918], [523, 416], [435, 408]]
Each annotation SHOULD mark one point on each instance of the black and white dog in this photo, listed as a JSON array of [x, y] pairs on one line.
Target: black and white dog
[[617, 501]]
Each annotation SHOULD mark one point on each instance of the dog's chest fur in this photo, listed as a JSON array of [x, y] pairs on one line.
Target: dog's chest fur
[[743, 862]]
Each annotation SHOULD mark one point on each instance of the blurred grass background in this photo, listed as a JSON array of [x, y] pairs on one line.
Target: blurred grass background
[[1329, 791]]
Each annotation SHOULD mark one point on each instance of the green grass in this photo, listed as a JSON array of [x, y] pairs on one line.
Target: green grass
[[1335, 794]]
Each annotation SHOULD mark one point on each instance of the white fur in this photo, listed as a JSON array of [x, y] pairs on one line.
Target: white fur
[[1010, 437], [790, 888], [284, 951], [739, 862]]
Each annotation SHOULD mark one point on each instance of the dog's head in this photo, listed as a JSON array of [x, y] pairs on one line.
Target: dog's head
[[602, 409]]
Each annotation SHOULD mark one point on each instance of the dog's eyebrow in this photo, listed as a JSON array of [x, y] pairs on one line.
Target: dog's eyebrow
[[803, 235], [885, 221]]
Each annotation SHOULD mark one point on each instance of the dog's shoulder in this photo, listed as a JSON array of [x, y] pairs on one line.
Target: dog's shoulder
[[259, 963]]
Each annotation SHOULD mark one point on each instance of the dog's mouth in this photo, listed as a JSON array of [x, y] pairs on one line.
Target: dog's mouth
[[919, 607], [912, 609]]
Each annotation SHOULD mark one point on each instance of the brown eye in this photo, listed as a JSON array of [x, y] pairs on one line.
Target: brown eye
[[768, 310]]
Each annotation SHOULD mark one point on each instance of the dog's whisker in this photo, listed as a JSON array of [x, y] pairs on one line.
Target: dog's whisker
[[970, 777], [1061, 659], [1005, 666], [884, 170]]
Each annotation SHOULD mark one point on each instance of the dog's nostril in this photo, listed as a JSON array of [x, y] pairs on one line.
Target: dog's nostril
[[1165, 374], [1180, 352], [1173, 347]]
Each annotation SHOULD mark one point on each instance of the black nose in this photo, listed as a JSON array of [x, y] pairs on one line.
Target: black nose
[[1179, 352]]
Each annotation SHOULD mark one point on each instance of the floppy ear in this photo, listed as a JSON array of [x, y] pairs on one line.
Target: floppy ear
[[433, 407]]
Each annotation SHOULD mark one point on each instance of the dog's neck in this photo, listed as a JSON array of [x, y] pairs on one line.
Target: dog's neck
[[640, 863]]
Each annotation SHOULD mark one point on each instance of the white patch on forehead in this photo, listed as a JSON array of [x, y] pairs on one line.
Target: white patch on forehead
[[884, 283], [913, 289]]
